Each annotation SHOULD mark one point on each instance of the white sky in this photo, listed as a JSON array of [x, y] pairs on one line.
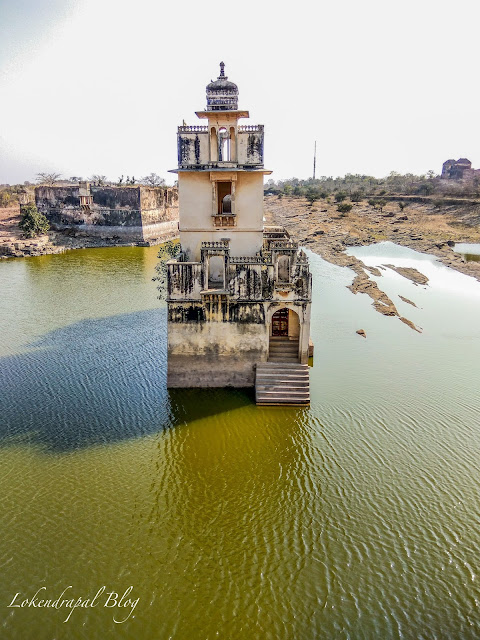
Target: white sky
[[100, 86]]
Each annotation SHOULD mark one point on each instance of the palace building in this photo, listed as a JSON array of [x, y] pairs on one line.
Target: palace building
[[239, 293]]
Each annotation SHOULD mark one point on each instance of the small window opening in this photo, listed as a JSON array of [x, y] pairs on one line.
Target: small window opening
[[284, 269], [224, 189], [216, 272]]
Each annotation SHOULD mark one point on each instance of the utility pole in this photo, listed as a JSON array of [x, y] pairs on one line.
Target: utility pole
[[314, 159]]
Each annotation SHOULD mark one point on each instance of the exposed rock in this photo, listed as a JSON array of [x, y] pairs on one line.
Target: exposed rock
[[373, 270], [381, 302], [410, 324], [407, 301], [410, 273]]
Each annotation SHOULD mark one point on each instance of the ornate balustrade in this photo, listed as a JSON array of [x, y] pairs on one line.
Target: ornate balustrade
[[288, 245], [247, 260], [193, 129], [222, 244], [250, 128]]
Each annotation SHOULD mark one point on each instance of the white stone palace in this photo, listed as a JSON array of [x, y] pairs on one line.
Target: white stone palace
[[239, 293]]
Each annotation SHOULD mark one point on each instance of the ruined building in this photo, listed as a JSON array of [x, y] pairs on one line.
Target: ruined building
[[129, 214], [460, 169], [239, 293]]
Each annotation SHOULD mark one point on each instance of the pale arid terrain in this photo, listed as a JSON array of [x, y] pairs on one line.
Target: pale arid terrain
[[420, 226]]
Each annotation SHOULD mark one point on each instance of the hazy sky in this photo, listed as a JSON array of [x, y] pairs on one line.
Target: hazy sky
[[100, 86]]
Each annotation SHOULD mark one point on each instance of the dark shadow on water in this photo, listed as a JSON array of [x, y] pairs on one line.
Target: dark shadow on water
[[99, 382]]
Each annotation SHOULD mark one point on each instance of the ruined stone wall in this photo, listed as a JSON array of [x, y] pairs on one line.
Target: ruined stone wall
[[135, 213]]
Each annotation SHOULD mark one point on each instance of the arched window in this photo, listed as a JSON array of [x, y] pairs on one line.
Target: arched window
[[223, 145]]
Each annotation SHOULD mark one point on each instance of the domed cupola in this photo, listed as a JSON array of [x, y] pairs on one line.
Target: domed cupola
[[222, 95]]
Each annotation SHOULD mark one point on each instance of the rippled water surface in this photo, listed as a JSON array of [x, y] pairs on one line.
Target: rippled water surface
[[355, 518]]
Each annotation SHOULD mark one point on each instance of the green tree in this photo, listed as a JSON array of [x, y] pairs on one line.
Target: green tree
[[312, 196], [402, 205], [32, 222], [340, 196]]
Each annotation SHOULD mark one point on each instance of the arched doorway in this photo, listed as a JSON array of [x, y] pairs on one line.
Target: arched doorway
[[280, 323], [284, 336]]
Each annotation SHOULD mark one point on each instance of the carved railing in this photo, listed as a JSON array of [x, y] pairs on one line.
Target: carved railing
[[193, 129], [250, 128], [222, 244], [246, 260], [287, 245]]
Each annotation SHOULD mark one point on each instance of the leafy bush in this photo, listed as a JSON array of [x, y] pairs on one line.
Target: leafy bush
[[340, 196], [32, 222], [344, 207], [381, 204]]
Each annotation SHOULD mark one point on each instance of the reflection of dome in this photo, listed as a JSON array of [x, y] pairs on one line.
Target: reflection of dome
[[222, 95]]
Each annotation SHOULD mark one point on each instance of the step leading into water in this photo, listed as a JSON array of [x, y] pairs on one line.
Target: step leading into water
[[282, 383]]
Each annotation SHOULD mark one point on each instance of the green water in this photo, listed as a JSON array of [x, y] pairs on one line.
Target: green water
[[470, 252], [355, 518]]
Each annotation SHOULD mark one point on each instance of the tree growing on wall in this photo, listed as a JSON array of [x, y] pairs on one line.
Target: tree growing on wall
[[153, 180], [32, 222], [98, 179], [49, 179], [168, 250]]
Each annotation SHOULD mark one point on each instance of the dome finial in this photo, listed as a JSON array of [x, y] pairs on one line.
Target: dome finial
[[222, 70]]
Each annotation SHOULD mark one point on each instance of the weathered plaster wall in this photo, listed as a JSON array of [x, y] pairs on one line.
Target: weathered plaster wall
[[249, 203], [197, 225], [193, 146], [250, 145], [215, 354]]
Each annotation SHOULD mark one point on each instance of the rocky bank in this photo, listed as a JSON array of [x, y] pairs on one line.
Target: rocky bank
[[420, 226]]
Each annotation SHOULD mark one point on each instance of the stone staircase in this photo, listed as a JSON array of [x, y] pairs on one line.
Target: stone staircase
[[283, 350], [282, 383], [282, 380]]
